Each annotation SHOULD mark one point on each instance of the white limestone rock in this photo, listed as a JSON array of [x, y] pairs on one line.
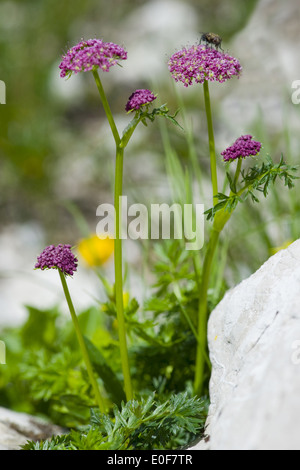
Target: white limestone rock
[[18, 428], [254, 342]]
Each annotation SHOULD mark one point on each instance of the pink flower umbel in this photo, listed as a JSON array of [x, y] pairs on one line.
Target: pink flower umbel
[[57, 257], [90, 54], [199, 63], [138, 99], [243, 147]]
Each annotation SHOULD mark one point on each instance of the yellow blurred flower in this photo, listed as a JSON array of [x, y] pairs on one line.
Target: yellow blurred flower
[[95, 251], [281, 247]]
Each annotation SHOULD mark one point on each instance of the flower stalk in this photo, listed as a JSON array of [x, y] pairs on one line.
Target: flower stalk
[[220, 220], [118, 264], [201, 64], [211, 140], [201, 354], [119, 274], [81, 342], [92, 55], [106, 107], [203, 314]]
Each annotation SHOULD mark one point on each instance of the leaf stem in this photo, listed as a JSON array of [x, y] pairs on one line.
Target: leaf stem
[[81, 342]]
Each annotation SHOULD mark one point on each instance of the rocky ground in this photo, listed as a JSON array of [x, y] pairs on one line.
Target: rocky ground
[[18, 428]]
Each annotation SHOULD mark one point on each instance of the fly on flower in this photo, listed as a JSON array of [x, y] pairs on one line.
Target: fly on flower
[[213, 39], [199, 63]]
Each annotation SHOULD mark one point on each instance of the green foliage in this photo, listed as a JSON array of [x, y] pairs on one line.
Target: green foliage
[[143, 424], [261, 177], [143, 115], [168, 348], [52, 375], [162, 111], [55, 443], [112, 384], [52, 381], [258, 178], [48, 374], [173, 265]]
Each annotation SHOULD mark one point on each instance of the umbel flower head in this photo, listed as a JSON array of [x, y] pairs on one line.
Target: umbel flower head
[[57, 257], [138, 99], [243, 147], [199, 63], [89, 54]]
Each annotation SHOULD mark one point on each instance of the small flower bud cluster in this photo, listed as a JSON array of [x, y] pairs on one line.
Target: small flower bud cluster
[[138, 99], [243, 147], [57, 257]]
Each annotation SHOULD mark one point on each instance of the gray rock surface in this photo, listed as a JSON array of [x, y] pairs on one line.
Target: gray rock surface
[[254, 342], [17, 428]]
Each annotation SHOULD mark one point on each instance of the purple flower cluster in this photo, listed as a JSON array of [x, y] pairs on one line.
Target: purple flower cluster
[[139, 98], [200, 63], [89, 54], [243, 147], [58, 257]]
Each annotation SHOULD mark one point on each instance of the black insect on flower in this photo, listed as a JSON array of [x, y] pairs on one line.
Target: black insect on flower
[[213, 39]]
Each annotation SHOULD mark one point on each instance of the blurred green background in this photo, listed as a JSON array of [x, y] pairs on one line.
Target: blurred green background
[[55, 148], [41, 130]]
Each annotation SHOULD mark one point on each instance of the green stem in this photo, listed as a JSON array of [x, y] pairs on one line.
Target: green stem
[[106, 107], [237, 174], [203, 314], [202, 309], [81, 342], [220, 220], [211, 139], [119, 275], [120, 145]]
